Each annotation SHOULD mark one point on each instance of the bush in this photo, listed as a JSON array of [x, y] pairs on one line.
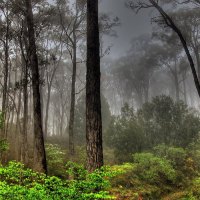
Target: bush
[[181, 160], [162, 121], [16, 182], [176, 155], [55, 160], [154, 169], [148, 176]]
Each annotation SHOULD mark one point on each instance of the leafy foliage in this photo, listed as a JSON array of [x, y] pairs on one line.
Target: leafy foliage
[[161, 121], [166, 172], [55, 160], [3, 143], [20, 183], [124, 131], [153, 169]]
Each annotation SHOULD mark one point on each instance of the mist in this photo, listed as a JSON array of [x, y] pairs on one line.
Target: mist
[[100, 99]]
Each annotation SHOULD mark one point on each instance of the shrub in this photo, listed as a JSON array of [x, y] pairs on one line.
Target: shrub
[[55, 160], [176, 155], [16, 182], [154, 169]]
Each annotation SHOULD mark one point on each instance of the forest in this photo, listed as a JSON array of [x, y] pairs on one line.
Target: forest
[[99, 99]]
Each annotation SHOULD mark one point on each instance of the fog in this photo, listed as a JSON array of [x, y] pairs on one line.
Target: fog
[[80, 89], [132, 25]]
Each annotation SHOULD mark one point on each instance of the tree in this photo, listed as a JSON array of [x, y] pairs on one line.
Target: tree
[[79, 120], [135, 71], [39, 150], [139, 4], [161, 121], [166, 121], [5, 27], [170, 58], [189, 23], [125, 135], [93, 98], [73, 26]]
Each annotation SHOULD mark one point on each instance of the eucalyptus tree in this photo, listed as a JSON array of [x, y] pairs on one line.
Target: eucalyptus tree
[[72, 22], [189, 23], [136, 70], [170, 58], [93, 98], [5, 39], [168, 21], [39, 149]]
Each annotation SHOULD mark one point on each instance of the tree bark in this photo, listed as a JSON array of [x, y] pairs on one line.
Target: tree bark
[[24, 140], [73, 95], [93, 100], [47, 111], [196, 51], [40, 164], [18, 124], [5, 84]]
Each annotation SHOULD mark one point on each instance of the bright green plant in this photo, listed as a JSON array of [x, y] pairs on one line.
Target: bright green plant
[[16, 182], [55, 160], [154, 169]]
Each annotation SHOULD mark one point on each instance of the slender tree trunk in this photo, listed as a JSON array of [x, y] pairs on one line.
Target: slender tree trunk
[[169, 22], [184, 88], [18, 125], [24, 140], [62, 121], [47, 112], [14, 100], [49, 86], [5, 85], [93, 98], [39, 149], [73, 95], [176, 82], [54, 124], [196, 51]]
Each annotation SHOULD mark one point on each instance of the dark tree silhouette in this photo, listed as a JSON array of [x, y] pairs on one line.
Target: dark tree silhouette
[[93, 100], [39, 150]]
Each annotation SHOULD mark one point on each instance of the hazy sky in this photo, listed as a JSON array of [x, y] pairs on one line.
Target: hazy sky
[[132, 25]]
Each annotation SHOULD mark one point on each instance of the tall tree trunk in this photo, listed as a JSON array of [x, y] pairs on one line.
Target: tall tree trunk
[[24, 137], [24, 140], [47, 112], [5, 84], [93, 98], [184, 87], [73, 95], [18, 124], [14, 100], [62, 121], [49, 86], [196, 51], [176, 82], [39, 149]]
